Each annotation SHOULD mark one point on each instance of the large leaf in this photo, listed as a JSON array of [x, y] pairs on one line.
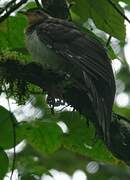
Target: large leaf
[[46, 137], [103, 14], [29, 5], [28, 177], [4, 163], [12, 32], [6, 128], [81, 138]]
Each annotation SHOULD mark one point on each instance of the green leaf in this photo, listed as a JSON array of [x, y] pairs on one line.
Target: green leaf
[[46, 137], [111, 53], [28, 177], [40, 103], [4, 163], [29, 5], [81, 138], [30, 164], [122, 111], [12, 32], [6, 128], [103, 14]]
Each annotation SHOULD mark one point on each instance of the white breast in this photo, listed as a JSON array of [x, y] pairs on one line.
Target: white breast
[[41, 53]]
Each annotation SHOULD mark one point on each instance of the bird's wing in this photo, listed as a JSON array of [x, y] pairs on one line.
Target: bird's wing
[[68, 41], [88, 55]]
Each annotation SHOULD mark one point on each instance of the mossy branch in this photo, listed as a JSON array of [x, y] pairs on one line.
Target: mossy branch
[[58, 85]]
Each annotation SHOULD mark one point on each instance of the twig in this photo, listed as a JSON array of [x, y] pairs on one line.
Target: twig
[[8, 5], [12, 9], [118, 10], [108, 41]]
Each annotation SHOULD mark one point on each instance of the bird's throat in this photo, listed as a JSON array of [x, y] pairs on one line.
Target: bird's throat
[[42, 53]]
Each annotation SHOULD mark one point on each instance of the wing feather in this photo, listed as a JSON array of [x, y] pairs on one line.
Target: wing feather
[[90, 58]]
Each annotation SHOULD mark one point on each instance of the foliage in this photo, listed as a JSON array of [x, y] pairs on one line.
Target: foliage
[[4, 163], [45, 141], [106, 19]]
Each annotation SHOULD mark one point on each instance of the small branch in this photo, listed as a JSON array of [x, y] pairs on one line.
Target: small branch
[[118, 10], [8, 5], [108, 41], [12, 9]]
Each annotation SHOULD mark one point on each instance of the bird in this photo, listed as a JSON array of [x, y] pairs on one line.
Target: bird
[[60, 45], [120, 139]]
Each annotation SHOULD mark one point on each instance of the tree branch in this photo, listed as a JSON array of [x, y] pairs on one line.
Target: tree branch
[[8, 5], [11, 8], [108, 41], [59, 86]]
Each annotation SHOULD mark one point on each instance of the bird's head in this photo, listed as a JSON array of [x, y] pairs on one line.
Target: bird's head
[[35, 15]]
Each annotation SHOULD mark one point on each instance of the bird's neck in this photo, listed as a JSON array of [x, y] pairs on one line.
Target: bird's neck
[[32, 26]]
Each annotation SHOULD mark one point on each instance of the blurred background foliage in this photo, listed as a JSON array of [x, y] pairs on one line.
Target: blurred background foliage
[[62, 141]]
